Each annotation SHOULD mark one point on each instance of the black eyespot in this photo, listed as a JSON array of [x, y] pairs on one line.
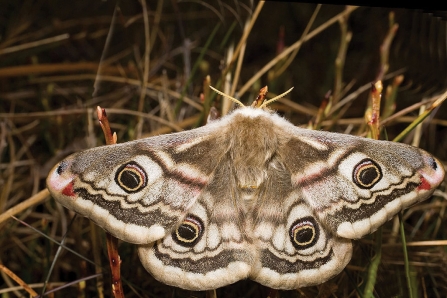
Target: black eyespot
[[61, 168], [131, 177], [189, 232], [304, 233], [434, 164], [366, 174]]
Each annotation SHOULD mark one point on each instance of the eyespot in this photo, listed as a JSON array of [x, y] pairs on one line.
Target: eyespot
[[131, 177], [367, 173], [189, 232], [304, 233]]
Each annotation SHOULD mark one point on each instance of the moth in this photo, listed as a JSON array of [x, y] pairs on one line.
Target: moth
[[249, 195]]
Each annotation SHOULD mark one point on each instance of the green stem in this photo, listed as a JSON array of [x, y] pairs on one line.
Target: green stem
[[407, 264], [373, 267]]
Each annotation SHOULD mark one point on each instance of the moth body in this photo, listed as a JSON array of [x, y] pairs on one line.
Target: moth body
[[246, 196]]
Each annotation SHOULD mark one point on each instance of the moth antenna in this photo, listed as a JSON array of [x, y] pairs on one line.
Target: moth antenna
[[275, 98], [227, 96]]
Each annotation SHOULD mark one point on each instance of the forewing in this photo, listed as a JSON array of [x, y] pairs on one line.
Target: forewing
[[139, 191]]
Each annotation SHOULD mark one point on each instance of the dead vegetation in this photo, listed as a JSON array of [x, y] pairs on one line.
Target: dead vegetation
[[150, 65]]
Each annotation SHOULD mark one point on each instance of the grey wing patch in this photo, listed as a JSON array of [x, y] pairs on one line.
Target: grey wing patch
[[210, 248], [294, 248]]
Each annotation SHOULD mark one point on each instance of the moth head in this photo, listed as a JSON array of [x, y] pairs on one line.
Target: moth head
[[260, 101]]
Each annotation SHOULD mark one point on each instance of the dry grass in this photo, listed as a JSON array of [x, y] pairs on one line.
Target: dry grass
[[147, 64]]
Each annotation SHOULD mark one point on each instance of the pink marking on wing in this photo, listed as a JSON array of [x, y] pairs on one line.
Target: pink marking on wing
[[432, 174], [190, 191], [197, 181], [68, 190], [311, 178], [425, 185]]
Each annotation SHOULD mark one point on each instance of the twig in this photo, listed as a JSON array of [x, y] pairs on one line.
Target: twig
[[244, 37], [359, 91], [36, 199], [18, 280], [341, 58], [112, 242], [98, 81], [421, 117], [292, 56], [83, 111], [35, 44], [115, 80], [385, 48], [147, 52], [373, 114], [290, 49], [43, 68]]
